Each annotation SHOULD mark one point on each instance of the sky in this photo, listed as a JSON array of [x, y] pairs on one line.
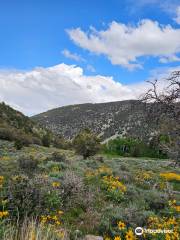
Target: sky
[[56, 52]]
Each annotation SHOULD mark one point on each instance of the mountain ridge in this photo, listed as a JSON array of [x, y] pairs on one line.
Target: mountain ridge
[[108, 120]]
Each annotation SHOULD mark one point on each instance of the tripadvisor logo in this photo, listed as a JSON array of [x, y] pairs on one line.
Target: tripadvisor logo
[[139, 231]]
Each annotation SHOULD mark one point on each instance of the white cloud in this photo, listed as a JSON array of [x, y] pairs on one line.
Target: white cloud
[[44, 88], [177, 18], [168, 59], [124, 44], [41, 89], [167, 6], [72, 56]]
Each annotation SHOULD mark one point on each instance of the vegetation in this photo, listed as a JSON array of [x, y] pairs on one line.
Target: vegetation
[[21, 130], [129, 147], [55, 194], [47, 192], [167, 104], [86, 143], [46, 140], [124, 118]]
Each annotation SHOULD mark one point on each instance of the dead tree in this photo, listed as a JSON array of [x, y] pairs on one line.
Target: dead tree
[[164, 106]]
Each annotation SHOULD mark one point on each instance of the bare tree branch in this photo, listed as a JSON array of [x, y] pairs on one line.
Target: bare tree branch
[[165, 108]]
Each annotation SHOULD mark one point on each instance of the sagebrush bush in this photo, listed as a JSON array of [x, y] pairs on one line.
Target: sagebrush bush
[[72, 185], [58, 157], [28, 164], [7, 134], [31, 197], [22, 141], [75, 192], [156, 200]]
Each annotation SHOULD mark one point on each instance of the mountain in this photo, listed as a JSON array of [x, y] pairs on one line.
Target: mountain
[[108, 120], [15, 125]]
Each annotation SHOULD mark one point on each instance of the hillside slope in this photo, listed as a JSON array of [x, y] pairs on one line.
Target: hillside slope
[[15, 125], [108, 120], [15, 118]]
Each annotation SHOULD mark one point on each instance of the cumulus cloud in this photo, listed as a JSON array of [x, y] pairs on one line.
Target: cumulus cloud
[[44, 88], [72, 56], [125, 44], [177, 18], [168, 59], [41, 89]]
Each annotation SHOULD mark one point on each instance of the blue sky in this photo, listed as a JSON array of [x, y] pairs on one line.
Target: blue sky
[[39, 34]]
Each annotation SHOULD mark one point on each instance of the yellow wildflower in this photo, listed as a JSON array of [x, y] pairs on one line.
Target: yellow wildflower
[[121, 225], [58, 222], [107, 238], [55, 184], [1, 181], [130, 235], [169, 176], [168, 237], [172, 202], [175, 236], [60, 212], [4, 214], [177, 208], [1, 178], [171, 221], [117, 238], [55, 169], [113, 183], [54, 218]]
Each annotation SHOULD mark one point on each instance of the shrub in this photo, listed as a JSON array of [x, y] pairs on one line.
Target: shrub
[[73, 188], [60, 142], [46, 140], [18, 144], [28, 164], [55, 169], [156, 200], [31, 197], [86, 143], [98, 159], [58, 157], [36, 140], [25, 139], [133, 215], [6, 134]]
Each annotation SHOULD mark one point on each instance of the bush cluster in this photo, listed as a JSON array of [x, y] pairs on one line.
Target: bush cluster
[[129, 147], [20, 138], [29, 197]]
